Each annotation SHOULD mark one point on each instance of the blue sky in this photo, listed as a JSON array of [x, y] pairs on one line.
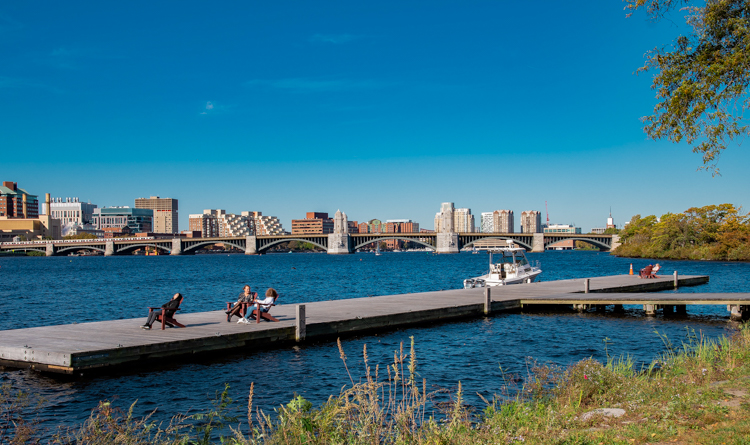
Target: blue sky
[[383, 110]]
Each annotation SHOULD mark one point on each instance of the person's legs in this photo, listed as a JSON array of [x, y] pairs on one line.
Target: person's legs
[[152, 317]]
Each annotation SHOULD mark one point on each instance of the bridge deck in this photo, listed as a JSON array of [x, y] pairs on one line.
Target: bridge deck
[[75, 348]]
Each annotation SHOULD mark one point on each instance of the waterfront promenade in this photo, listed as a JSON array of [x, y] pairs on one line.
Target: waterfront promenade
[[78, 348]]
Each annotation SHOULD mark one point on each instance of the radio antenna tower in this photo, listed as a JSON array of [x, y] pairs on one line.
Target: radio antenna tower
[[546, 211]]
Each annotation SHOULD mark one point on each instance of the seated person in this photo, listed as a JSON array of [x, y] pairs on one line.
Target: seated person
[[246, 296], [167, 308], [264, 304]]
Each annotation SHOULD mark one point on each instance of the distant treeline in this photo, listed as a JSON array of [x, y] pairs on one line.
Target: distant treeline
[[714, 232]]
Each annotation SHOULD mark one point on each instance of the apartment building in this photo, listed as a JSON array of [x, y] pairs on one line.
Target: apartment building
[[17, 203], [214, 223], [531, 221]]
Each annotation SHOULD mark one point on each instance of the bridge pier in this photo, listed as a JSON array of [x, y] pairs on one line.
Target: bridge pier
[[251, 245], [447, 242], [615, 242], [339, 244], [109, 248], [537, 244], [176, 247], [50, 249]]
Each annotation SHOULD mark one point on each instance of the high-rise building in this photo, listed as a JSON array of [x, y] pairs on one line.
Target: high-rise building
[[531, 221], [444, 218], [17, 203], [165, 213], [463, 220], [138, 220], [502, 221], [488, 223], [314, 223]]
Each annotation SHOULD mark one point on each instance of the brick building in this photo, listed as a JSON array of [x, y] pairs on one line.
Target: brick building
[[314, 223], [165, 213], [17, 203]]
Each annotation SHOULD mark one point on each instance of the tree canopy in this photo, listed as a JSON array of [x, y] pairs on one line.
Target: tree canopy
[[717, 232], [702, 81]]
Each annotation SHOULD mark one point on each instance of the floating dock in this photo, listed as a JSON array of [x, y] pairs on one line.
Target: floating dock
[[115, 344]]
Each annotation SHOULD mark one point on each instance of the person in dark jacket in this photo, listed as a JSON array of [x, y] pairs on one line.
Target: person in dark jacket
[[168, 308]]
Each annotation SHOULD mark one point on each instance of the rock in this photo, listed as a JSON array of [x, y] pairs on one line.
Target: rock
[[607, 412], [719, 383], [736, 392]]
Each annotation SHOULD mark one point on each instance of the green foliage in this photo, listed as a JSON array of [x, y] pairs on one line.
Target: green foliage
[[702, 81], [716, 232]]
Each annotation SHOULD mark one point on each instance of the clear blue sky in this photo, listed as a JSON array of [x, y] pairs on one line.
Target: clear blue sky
[[382, 109]]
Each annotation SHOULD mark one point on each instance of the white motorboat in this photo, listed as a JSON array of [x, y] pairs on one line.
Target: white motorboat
[[510, 267]]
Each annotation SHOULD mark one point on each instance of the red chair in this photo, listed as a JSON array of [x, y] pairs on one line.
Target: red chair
[[167, 317], [258, 313], [647, 272]]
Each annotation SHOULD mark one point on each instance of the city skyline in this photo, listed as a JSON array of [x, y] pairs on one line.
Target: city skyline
[[382, 110]]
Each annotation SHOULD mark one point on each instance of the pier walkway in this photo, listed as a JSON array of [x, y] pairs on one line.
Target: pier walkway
[[78, 348]]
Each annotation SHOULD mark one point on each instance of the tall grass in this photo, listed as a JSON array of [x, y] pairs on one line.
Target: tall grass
[[391, 405]]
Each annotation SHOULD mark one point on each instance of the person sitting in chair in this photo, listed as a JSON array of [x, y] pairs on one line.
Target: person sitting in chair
[[246, 296], [168, 308], [265, 304]]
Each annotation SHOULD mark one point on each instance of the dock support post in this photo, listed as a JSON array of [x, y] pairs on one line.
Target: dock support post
[[668, 310], [619, 308], [681, 309], [301, 329], [487, 301], [736, 311], [675, 279], [600, 308], [586, 284], [650, 309], [581, 307]]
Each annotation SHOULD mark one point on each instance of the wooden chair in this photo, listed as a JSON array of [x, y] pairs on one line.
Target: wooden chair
[[167, 317], [258, 313], [647, 272], [241, 313]]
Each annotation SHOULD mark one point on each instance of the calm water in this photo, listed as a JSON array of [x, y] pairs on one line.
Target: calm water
[[471, 351]]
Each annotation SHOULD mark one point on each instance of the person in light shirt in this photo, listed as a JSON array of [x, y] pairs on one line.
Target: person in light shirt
[[264, 304]]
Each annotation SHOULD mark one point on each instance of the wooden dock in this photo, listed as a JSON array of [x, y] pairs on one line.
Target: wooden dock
[[78, 348]]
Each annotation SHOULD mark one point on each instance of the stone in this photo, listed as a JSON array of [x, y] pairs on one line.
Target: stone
[[606, 412]]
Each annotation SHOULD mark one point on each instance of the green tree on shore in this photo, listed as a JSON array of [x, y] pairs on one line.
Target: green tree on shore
[[702, 81], [717, 232]]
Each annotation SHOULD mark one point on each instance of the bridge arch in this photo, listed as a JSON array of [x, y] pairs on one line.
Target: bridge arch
[[284, 240], [383, 238], [81, 247], [131, 247], [521, 243], [42, 249], [593, 241], [205, 243]]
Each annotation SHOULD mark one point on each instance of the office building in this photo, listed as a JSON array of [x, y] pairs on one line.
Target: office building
[[531, 221], [401, 226], [444, 218], [314, 223], [15, 226], [17, 203], [562, 228], [165, 213], [75, 216], [137, 220]]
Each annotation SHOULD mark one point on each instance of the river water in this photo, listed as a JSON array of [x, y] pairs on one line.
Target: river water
[[477, 352]]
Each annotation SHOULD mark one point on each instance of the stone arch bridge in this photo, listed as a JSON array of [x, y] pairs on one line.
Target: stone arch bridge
[[332, 243]]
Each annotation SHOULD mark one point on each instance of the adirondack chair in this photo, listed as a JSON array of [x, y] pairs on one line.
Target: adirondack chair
[[258, 313], [656, 269], [167, 317], [647, 272], [243, 307]]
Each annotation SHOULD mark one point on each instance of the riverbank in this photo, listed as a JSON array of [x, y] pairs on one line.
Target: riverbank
[[694, 393]]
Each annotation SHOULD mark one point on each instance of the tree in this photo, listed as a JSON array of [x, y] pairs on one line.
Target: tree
[[702, 81]]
